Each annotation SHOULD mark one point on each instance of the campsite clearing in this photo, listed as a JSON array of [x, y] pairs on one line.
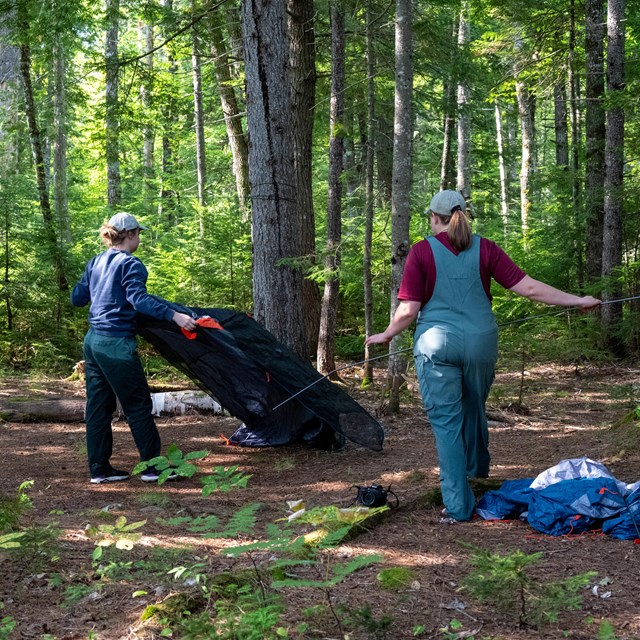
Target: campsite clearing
[[53, 590]]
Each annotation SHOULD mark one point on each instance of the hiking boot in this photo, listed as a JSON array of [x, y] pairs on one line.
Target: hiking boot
[[152, 474], [112, 475]]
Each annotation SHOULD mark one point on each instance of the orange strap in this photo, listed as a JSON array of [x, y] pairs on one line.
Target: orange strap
[[204, 321]]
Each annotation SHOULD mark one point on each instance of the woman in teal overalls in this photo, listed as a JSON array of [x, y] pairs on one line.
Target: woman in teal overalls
[[456, 339]]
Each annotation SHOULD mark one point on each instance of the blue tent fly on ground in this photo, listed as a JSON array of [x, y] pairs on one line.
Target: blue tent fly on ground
[[574, 496]]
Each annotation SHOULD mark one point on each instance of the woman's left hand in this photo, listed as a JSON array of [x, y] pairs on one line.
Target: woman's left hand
[[184, 321]]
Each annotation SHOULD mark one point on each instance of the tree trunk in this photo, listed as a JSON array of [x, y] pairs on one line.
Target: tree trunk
[[595, 135], [401, 195], [325, 355], [112, 117], [504, 193], [278, 227], [169, 197], [464, 116], [198, 113], [60, 201], [526, 107], [576, 137], [448, 165], [302, 59], [367, 376], [560, 121], [148, 131], [36, 148], [384, 153], [231, 111], [614, 163]]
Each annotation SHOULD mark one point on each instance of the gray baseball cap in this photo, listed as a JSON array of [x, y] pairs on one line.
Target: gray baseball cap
[[124, 221], [446, 202]]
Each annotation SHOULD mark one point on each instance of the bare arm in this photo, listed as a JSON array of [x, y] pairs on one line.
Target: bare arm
[[405, 314], [541, 292], [184, 321]]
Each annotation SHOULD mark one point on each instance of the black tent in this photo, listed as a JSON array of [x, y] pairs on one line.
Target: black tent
[[253, 376]]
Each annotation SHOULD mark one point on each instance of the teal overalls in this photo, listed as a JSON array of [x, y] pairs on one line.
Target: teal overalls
[[455, 350]]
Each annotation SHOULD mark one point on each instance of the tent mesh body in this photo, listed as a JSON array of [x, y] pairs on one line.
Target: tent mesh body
[[250, 374]]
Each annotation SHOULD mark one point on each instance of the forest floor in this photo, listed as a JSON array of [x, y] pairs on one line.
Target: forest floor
[[50, 587]]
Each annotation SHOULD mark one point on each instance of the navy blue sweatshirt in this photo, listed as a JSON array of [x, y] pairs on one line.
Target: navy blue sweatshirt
[[115, 282]]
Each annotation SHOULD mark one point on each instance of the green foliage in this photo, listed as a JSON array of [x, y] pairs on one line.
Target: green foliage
[[10, 540], [7, 625], [242, 521], [38, 545], [120, 534], [365, 619], [174, 462], [224, 479], [506, 582], [12, 508], [395, 577]]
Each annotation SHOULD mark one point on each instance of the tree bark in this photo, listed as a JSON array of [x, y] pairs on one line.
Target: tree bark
[[112, 117], [326, 363], [231, 112], [302, 59], [36, 148], [560, 122], [526, 110], [576, 137], [504, 191], [198, 114], [60, 200], [464, 116], [595, 137], [401, 195], [614, 167], [146, 96], [278, 227], [367, 376]]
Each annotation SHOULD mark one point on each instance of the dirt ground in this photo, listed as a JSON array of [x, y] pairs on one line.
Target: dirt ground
[[54, 591]]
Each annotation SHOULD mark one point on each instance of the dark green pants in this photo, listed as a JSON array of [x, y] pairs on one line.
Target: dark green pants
[[113, 369]]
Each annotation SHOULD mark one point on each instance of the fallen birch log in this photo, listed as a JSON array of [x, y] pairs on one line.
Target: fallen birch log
[[168, 403]]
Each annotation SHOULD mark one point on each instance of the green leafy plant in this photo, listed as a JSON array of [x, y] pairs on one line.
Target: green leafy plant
[[121, 535], [10, 540], [224, 479], [505, 581], [76, 592], [12, 508], [7, 625], [174, 462], [38, 545], [242, 521]]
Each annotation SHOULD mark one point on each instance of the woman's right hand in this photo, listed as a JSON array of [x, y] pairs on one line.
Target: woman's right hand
[[377, 338]]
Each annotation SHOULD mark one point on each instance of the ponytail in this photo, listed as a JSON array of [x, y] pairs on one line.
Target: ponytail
[[111, 236], [459, 230]]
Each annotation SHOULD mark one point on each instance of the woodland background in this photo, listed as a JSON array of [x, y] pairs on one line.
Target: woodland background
[[283, 155]]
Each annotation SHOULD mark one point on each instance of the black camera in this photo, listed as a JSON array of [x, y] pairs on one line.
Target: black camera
[[373, 496]]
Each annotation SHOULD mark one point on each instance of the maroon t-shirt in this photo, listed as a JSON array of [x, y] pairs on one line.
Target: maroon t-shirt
[[419, 277]]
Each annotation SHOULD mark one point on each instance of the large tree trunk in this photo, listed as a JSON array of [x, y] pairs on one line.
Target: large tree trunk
[[198, 113], [278, 226], [231, 111], [302, 58], [595, 134], [36, 148], [464, 115], [401, 195], [614, 163], [367, 376], [112, 117], [326, 363]]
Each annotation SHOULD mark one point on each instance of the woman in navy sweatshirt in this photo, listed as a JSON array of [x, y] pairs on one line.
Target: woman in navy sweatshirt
[[114, 282]]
